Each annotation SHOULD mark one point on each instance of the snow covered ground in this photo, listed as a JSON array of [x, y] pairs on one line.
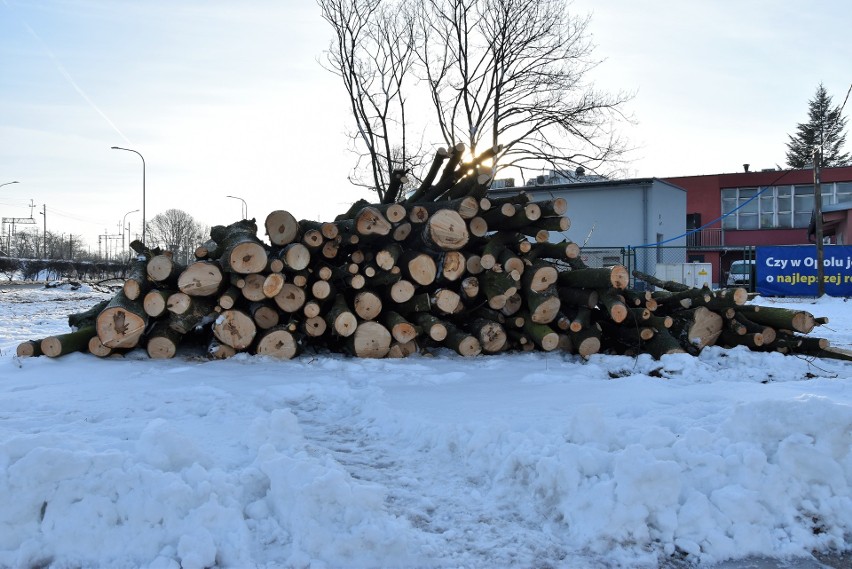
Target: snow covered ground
[[522, 460]]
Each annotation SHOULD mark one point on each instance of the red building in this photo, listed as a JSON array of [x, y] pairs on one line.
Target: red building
[[732, 213]]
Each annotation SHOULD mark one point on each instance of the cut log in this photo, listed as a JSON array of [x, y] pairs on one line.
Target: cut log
[[29, 349], [367, 305], [370, 222], [163, 341], [264, 315], [242, 251], [291, 298], [235, 328], [434, 327], [609, 277], [61, 344], [295, 257], [220, 351], [137, 283], [784, 318], [277, 343], [163, 269], [419, 267], [542, 335], [122, 323], [401, 329], [97, 349], [340, 319], [272, 284], [586, 342], [445, 230], [446, 301], [282, 228], [490, 334], [464, 343], [539, 276], [614, 304], [314, 327], [187, 312], [402, 350], [201, 278], [696, 328], [370, 340], [663, 343], [154, 303], [543, 306], [451, 267]]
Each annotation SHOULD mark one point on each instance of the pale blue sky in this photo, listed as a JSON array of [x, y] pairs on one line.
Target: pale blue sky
[[227, 98]]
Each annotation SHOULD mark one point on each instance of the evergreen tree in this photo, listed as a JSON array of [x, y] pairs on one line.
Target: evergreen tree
[[824, 130]]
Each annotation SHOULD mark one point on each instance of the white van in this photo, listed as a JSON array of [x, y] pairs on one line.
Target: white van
[[740, 273]]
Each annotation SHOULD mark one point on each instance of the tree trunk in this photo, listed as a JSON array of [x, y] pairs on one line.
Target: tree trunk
[[28, 349], [340, 319], [155, 302], [87, 317], [491, 335], [784, 318], [55, 346]]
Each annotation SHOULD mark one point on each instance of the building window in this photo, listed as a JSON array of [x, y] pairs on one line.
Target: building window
[[777, 207]]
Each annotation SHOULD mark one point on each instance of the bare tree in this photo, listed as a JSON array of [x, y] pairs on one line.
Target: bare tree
[[176, 231], [515, 73], [507, 72], [373, 54]]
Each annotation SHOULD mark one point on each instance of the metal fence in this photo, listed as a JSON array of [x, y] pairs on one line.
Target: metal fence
[[648, 259]]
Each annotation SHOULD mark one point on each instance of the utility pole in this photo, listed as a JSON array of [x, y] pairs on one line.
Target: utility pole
[[44, 237], [820, 251]]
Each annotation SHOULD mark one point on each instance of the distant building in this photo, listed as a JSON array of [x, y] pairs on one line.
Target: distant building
[[731, 213], [609, 215]]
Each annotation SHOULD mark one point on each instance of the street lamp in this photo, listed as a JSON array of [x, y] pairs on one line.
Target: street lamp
[[143, 186], [123, 220], [244, 208], [7, 183]]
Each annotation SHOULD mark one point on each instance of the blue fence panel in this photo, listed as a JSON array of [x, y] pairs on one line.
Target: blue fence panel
[[792, 270]]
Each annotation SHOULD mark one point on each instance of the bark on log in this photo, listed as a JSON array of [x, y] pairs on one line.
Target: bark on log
[[464, 343], [29, 349], [163, 269], [242, 251], [87, 317], [163, 341], [609, 277], [61, 344], [340, 319], [137, 283], [783, 318]]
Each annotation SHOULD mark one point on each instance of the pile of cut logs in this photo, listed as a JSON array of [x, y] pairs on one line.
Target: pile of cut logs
[[446, 266]]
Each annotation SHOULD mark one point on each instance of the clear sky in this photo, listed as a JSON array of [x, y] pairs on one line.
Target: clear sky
[[228, 98]]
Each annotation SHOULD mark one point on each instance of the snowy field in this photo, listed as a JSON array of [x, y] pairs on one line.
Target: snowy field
[[730, 459]]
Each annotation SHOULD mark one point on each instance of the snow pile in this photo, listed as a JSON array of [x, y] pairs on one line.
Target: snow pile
[[512, 460]]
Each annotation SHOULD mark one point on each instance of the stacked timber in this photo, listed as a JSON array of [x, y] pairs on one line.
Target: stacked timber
[[446, 266]]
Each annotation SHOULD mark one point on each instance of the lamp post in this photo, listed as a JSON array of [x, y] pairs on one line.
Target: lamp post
[[123, 220], [244, 208], [143, 186]]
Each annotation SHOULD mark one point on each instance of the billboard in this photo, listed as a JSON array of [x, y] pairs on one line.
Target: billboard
[[791, 270]]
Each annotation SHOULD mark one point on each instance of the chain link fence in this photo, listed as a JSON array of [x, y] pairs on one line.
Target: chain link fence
[[656, 260]]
